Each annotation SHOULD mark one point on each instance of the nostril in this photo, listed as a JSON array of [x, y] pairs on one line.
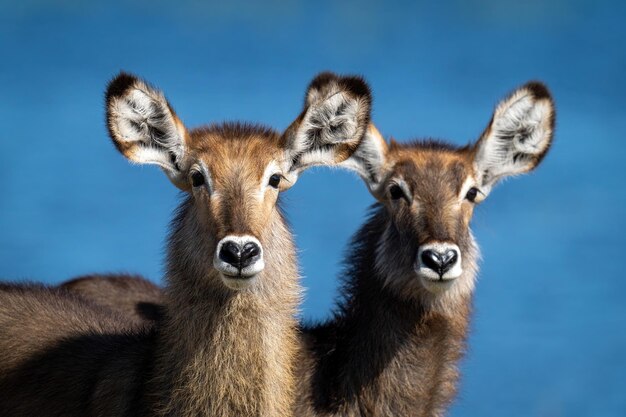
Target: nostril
[[231, 253], [432, 260], [249, 250], [250, 253], [449, 259]]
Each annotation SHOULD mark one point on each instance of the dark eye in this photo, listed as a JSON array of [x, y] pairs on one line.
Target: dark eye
[[395, 191], [472, 193], [274, 180], [197, 179]]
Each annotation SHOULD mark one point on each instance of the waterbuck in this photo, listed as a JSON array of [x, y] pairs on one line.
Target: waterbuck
[[226, 343], [394, 341], [132, 296], [396, 337]]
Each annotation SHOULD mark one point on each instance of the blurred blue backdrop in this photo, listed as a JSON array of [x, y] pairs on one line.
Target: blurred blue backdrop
[[548, 333]]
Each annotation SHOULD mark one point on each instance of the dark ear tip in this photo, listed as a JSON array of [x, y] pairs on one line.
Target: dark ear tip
[[321, 80], [357, 86], [538, 90], [119, 85], [353, 84]]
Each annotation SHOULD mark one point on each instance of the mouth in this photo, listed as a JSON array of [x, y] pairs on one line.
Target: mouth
[[428, 274], [432, 276], [238, 281], [235, 276], [232, 272], [437, 284]]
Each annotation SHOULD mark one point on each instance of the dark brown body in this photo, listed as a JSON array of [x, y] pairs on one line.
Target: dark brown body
[[132, 295], [65, 356], [381, 354]]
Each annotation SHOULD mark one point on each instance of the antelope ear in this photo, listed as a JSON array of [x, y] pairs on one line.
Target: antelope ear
[[369, 159], [332, 124], [518, 136], [144, 127]]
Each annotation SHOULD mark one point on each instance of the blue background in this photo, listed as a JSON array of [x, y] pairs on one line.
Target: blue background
[[548, 334]]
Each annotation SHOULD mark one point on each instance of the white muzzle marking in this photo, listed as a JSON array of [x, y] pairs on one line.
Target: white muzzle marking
[[430, 278], [233, 277]]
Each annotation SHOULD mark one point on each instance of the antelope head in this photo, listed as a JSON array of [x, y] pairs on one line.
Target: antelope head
[[233, 173], [429, 190]]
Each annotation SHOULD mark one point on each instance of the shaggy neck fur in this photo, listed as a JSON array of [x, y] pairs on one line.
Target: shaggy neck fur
[[223, 352], [382, 354]]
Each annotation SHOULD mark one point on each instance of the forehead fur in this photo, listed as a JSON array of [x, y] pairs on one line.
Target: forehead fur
[[428, 160], [249, 145], [428, 145]]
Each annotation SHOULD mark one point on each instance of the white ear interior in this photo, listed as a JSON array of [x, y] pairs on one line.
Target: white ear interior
[[144, 127], [144, 124], [327, 122], [334, 120], [369, 158], [518, 137]]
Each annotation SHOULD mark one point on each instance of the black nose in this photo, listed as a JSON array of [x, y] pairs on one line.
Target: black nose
[[239, 257], [439, 262]]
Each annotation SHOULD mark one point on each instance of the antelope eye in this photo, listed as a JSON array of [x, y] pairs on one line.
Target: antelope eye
[[395, 191], [197, 179], [274, 180], [472, 193]]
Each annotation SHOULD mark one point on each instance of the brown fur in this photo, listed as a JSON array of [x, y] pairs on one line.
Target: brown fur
[[386, 352], [65, 356], [234, 368], [131, 295], [214, 351], [393, 346]]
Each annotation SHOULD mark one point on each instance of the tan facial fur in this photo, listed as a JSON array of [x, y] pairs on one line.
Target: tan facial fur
[[234, 172]]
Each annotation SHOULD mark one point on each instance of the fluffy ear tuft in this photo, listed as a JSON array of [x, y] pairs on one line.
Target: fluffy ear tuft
[[518, 136], [331, 126], [143, 126], [369, 159]]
